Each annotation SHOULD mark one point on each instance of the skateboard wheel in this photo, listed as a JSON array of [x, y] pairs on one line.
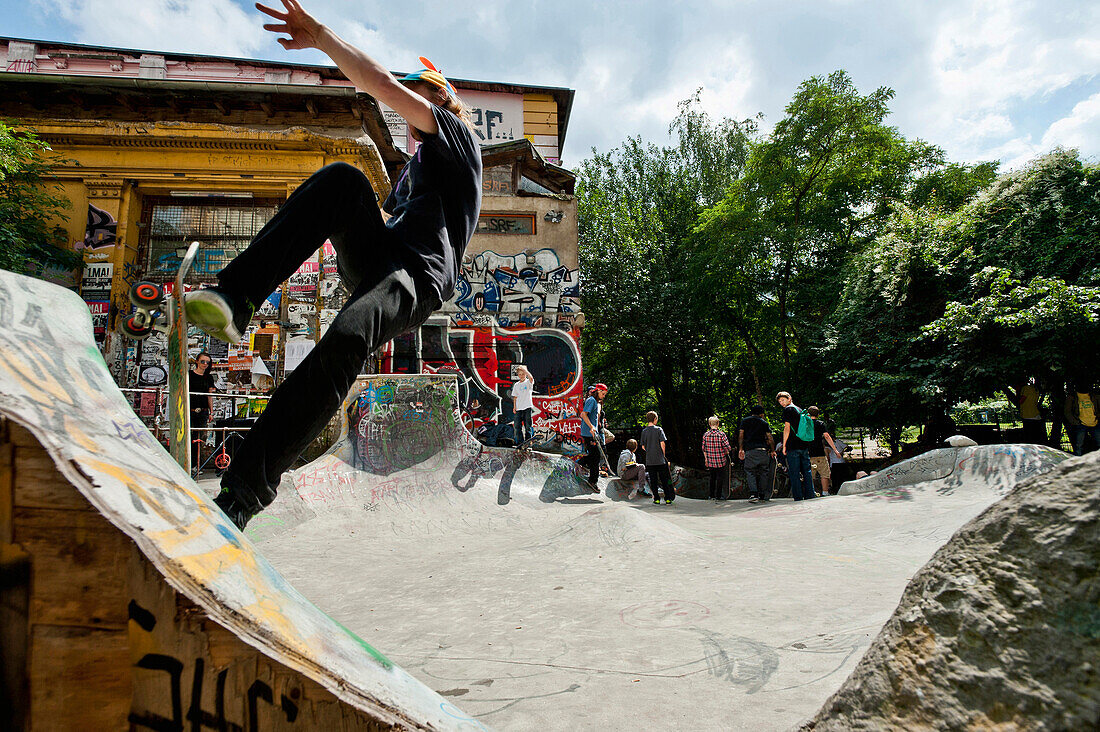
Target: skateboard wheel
[[137, 326], [146, 294]]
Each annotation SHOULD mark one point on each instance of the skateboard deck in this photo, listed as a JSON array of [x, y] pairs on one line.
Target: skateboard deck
[[155, 312], [603, 456], [179, 413]]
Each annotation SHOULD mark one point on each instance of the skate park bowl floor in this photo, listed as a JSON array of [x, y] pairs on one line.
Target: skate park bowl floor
[[499, 581]]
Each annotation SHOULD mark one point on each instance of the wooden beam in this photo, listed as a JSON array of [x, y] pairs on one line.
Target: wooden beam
[[267, 109], [312, 107], [220, 106]]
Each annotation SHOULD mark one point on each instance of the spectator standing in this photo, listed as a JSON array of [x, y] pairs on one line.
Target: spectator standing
[[656, 461], [716, 456], [1027, 397], [200, 385], [821, 449], [523, 404], [756, 448], [590, 433], [1081, 413], [796, 450]]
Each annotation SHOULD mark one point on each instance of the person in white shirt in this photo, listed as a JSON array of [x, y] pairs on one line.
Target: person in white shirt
[[523, 405]]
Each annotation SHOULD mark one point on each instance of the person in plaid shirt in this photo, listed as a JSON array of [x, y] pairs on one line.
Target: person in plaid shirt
[[716, 454]]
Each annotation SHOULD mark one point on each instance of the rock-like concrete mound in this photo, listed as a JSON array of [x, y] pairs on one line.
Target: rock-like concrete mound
[[1001, 629]]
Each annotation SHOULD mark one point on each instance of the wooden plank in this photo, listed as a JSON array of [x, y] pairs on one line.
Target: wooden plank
[[186, 665], [77, 558], [540, 128], [39, 484], [20, 436], [15, 569], [79, 678], [7, 489]]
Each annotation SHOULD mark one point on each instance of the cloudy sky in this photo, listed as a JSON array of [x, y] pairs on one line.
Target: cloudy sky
[[984, 79]]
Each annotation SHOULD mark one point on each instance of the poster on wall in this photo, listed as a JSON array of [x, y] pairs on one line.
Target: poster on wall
[[96, 282], [99, 310]]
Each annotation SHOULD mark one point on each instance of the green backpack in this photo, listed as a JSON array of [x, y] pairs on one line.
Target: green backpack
[[805, 431]]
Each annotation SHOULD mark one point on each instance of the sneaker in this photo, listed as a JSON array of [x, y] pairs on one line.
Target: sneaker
[[754, 499], [657, 501], [667, 501], [217, 313], [236, 513]]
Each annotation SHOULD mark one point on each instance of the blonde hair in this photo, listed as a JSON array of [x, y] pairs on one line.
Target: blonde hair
[[783, 394], [458, 108], [713, 422]]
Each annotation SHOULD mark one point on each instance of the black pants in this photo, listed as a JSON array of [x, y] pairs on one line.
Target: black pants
[[717, 481], [660, 474], [388, 298], [199, 421], [591, 460]]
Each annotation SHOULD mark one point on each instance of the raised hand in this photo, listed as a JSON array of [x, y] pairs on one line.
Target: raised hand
[[303, 28]]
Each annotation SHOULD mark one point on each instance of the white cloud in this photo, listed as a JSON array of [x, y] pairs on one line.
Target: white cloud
[[996, 60], [1081, 129], [982, 78], [216, 27]]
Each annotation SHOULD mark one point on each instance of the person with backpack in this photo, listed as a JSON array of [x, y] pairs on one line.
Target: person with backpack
[[798, 433]]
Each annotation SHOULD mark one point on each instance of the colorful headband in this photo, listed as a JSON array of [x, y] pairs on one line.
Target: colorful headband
[[432, 75]]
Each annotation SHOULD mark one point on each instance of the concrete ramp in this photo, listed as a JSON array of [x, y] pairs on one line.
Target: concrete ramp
[[541, 606], [993, 468], [132, 601]]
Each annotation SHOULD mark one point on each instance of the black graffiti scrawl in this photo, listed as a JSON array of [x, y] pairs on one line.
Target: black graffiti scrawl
[[102, 229]]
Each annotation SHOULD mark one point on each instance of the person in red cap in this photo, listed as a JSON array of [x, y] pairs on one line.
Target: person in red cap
[[399, 262], [590, 432]]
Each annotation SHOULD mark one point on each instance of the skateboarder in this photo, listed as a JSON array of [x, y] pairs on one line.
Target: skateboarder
[[398, 269], [591, 434]]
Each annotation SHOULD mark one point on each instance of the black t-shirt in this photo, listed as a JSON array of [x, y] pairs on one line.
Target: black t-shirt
[[756, 431], [790, 416], [436, 201], [817, 447], [197, 383]]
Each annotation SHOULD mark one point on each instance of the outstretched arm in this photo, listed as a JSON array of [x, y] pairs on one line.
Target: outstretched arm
[[362, 70]]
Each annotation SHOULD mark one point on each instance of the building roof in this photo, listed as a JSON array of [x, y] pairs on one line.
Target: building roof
[[312, 75]]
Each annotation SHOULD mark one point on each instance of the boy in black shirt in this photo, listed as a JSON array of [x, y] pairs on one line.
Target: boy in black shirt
[[399, 269], [756, 448]]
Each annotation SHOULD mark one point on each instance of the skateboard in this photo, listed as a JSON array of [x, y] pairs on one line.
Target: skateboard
[[156, 311], [603, 456], [526, 444]]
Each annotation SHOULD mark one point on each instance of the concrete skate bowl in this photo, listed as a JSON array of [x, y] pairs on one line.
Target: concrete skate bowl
[[128, 600], [499, 581], [402, 446]]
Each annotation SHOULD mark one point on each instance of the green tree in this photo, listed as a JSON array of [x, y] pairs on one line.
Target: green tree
[[27, 202], [812, 195], [948, 306], [637, 204]]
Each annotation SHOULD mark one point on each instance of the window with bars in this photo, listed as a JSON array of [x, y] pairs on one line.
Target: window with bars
[[223, 226]]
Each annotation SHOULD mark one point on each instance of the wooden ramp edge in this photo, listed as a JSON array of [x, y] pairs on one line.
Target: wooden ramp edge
[[127, 601]]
